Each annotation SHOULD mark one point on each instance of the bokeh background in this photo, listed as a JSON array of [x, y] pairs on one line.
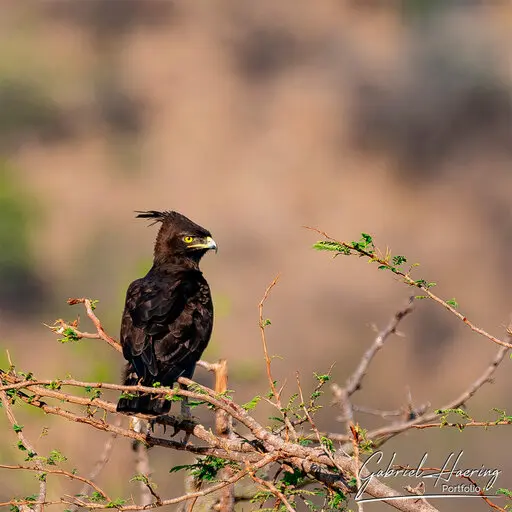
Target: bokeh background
[[255, 119]]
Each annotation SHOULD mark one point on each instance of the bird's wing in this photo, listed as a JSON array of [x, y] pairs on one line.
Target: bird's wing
[[151, 307], [187, 337]]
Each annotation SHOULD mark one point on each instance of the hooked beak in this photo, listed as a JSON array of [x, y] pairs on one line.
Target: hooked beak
[[207, 243]]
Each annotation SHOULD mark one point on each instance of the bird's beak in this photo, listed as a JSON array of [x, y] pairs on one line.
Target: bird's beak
[[210, 244], [207, 243]]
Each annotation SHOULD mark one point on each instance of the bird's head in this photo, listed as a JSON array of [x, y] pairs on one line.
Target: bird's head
[[179, 238]]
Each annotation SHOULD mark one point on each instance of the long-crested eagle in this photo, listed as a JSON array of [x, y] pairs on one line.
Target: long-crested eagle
[[168, 316]]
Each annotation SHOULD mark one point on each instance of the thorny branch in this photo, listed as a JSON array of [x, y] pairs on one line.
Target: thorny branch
[[28, 447], [276, 394], [311, 460], [249, 453], [407, 279]]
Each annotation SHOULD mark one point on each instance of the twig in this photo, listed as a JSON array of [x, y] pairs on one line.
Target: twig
[[393, 430], [268, 362], [172, 501], [314, 427], [381, 435], [73, 476], [353, 383], [142, 468], [462, 426], [27, 445], [274, 490], [100, 464], [355, 445], [418, 411], [100, 332], [411, 282]]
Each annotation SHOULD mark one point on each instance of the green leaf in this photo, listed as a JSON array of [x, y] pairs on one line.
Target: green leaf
[[17, 428], [399, 260], [55, 457], [327, 444], [21, 446], [139, 478], [267, 322], [118, 502], [175, 469], [316, 394], [329, 245], [127, 395], [367, 238], [54, 384], [195, 403], [205, 468], [337, 500], [69, 335], [30, 455], [322, 378], [453, 303], [248, 406], [174, 398], [96, 497]]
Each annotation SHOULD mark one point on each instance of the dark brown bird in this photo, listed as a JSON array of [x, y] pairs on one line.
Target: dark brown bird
[[168, 316]]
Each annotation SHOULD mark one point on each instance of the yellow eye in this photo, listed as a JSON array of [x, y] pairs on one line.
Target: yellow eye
[[187, 239]]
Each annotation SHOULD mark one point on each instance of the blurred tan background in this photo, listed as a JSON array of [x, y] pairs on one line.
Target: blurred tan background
[[254, 119]]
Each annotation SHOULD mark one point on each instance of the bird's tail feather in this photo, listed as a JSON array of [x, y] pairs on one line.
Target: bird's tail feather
[[141, 402]]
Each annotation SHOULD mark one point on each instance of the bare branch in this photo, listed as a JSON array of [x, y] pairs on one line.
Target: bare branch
[[342, 395], [381, 435], [354, 382]]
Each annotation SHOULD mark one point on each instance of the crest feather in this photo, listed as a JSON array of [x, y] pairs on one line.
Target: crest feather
[[153, 214]]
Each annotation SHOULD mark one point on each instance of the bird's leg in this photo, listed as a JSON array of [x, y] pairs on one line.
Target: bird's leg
[[185, 413], [185, 409], [136, 424]]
